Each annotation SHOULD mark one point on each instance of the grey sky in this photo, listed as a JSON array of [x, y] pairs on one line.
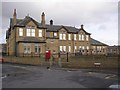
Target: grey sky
[[99, 17]]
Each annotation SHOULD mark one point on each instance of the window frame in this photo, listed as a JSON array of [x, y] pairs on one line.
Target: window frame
[[87, 37], [82, 37], [55, 34], [20, 32], [40, 33], [69, 48], [69, 36], [75, 37], [30, 32]]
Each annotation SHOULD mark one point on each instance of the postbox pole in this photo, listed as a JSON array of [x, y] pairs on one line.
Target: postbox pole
[[67, 56]]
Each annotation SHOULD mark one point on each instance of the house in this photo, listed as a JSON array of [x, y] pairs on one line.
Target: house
[[3, 49], [27, 36], [98, 47], [113, 50]]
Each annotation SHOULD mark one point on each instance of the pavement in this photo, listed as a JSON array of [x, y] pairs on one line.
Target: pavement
[[25, 76]]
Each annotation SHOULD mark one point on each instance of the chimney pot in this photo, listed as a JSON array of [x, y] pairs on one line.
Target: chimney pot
[[51, 22], [82, 26]]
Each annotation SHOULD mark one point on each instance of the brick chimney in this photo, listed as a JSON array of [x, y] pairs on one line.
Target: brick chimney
[[14, 16], [43, 19]]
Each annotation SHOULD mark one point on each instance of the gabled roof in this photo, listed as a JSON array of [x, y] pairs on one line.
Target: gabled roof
[[52, 28], [23, 22], [95, 42], [70, 29]]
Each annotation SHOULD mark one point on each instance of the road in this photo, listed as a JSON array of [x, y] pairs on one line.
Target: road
[[25, 76]]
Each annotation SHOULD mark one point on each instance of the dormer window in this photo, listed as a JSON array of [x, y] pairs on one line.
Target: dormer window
[[20, 31]]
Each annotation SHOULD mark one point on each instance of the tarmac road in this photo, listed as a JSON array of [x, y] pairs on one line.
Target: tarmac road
[[24, 76]]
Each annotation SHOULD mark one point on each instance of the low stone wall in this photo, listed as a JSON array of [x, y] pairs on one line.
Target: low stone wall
[[24, 60]]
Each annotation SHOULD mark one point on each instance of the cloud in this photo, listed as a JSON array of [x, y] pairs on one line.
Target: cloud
[[99, 17]]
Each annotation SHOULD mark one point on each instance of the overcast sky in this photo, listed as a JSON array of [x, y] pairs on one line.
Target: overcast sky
[[99, 17]]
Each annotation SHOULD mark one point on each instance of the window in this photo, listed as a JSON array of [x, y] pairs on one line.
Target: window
[[27, 48], [98, 48], [55, 34], [79, 47], [82, 37], [79, 37], [37, 48], [62, 36], [61, 48], [75, 48], [20, 32], [87, 37], [69, 36], [40, 33], [87, 47], [47, 34], [30, 32], [64, 48], [83, 47], [69, 48], [74, 36]]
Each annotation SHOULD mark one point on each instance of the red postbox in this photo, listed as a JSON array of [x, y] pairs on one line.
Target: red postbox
[[47, 55]]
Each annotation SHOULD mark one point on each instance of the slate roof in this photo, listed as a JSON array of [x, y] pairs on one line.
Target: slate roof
[[23, 22], [53, 28], [95, 42]]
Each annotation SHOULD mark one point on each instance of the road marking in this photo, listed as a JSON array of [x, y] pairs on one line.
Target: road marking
[[3, 76], [19, 67], [110, 76], [115, 86]]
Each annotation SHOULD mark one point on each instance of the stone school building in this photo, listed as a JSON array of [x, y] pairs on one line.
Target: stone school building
[[28, 36]]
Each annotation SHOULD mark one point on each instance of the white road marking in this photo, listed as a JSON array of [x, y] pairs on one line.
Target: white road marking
[[115, 86], [3, 76]]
